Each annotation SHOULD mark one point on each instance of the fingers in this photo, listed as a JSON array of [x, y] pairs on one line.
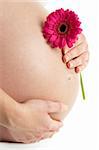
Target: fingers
[[53, 107], [31, 138], [81, 60], [75, 52], [79, 68], [77, 57], [53, 125], [45, 136], [48, 106]]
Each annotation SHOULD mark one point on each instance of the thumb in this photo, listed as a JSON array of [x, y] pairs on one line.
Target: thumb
[[54, 107]]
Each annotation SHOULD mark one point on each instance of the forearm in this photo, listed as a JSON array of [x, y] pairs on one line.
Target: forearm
[[2, 101], [2, 113], [7, 106], [9, 111]]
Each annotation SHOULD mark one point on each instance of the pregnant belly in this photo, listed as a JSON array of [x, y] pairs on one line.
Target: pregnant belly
[[30, 68]]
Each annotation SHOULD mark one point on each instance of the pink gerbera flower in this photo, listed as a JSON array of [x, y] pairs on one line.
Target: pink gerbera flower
[[62, 28]]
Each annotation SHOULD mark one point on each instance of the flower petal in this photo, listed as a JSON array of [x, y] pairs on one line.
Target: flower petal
[[57, 42], [51, 33], [63, 43], [70, 44], [52, 38]]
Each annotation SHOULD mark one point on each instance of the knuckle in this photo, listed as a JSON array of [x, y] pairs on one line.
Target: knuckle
[[86, 46], [83, 37], [85, 56]]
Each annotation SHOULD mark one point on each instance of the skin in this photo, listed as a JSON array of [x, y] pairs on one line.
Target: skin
[[32, 73], [77, 57], [13, 119]]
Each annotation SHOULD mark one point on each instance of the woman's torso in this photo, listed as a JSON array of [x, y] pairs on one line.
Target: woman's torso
[[29, 67]]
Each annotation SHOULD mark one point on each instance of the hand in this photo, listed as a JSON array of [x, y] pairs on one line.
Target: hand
[[77, 57], [31, 121]]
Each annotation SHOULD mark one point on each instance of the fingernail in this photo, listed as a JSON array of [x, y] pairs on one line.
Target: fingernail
[[77, 70], [63, 51], [68, 65], [64, 59]]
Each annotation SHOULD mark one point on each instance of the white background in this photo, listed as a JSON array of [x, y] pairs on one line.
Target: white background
[[81, 127]]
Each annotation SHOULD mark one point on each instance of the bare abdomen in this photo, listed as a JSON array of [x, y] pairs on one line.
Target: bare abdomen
[[30, 68]]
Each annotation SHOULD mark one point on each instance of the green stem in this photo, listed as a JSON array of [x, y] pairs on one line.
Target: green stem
[[82, 87]]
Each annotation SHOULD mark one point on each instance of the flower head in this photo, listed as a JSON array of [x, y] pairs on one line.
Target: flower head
[[61, 28]]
